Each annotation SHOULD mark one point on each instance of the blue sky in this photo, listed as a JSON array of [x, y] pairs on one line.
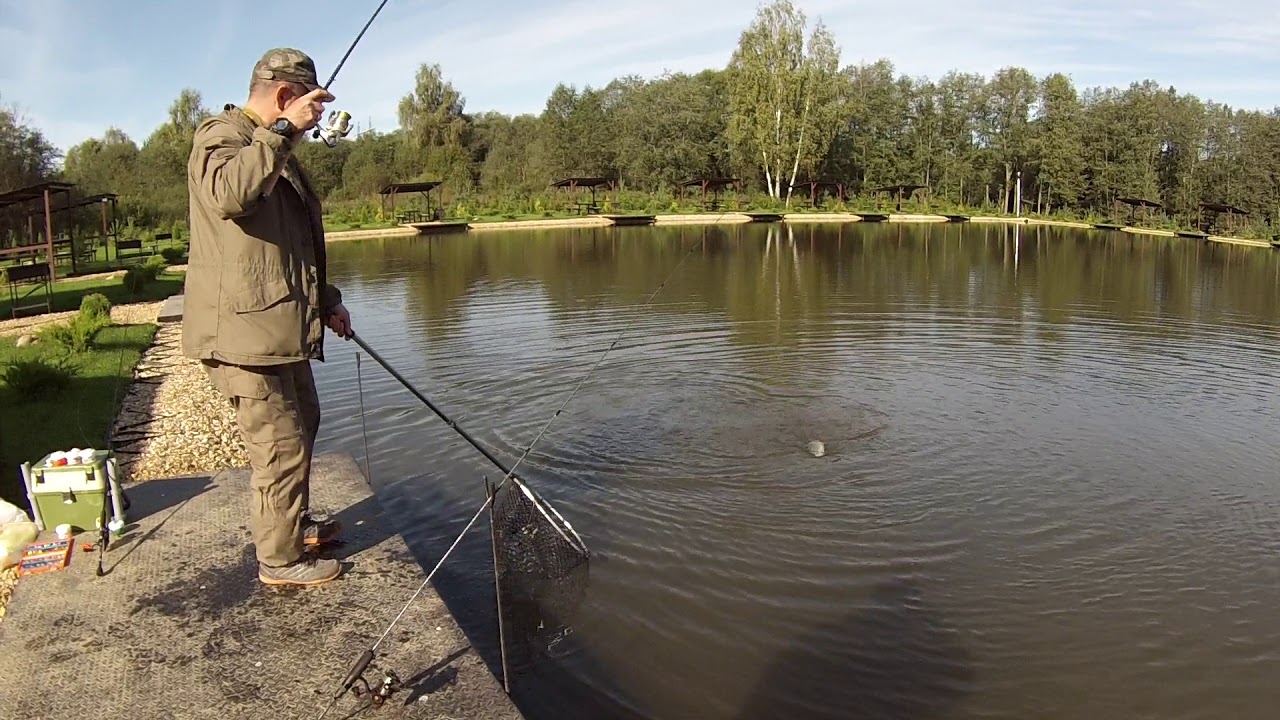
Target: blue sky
[[75, 67]]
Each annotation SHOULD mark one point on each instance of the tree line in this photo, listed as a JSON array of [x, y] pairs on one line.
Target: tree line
[[782, 110]]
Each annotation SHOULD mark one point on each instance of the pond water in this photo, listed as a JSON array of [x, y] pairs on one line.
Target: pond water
[[1049, 488]]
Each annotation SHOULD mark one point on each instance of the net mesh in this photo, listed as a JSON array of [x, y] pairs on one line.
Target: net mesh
[[541, 568]]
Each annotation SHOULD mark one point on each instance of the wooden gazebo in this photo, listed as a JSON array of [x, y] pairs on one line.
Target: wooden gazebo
[[19, 203], [813, 186], [424, 188], [1213, 210], [1148, 206], [714, 185], [571, 185], [901, 192]]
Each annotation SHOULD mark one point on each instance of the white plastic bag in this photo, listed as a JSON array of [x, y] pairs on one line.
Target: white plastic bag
[[16, 532], [10, 513]]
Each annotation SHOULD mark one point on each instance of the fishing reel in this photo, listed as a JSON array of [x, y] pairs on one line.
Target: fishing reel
[[339, 126], [358, 685], [379, 695]]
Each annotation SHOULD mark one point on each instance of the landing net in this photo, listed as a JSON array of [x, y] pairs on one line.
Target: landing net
[[540, 572]]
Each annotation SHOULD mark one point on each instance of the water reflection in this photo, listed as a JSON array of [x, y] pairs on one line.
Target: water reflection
[[1048, 487]]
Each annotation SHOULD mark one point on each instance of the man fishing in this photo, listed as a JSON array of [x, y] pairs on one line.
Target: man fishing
[[257, 300]]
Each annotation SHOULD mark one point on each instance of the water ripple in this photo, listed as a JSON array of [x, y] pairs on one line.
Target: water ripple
[[1046, 492]]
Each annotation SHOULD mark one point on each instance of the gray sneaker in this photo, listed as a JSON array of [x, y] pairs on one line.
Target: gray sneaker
[[307, 570]]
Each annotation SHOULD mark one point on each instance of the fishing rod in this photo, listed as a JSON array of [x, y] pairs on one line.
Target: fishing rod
[[391, 682], [338, 127], [339, 123]]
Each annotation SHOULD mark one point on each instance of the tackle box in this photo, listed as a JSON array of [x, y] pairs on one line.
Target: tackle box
[[78, 493]]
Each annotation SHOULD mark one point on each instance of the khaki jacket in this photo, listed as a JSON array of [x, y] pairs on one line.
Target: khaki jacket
[[256, 286]]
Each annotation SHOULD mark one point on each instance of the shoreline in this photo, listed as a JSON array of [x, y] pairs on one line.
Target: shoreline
[[735, 217]]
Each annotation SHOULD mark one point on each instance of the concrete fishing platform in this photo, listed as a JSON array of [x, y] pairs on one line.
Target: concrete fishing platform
[[180, 627]]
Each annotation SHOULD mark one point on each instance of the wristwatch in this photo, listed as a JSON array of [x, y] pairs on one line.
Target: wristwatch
[[283, 127]]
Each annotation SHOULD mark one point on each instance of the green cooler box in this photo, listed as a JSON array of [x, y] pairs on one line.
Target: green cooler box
[[76, 494]]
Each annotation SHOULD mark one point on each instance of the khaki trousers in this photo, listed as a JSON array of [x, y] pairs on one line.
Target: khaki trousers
[[278, 413]]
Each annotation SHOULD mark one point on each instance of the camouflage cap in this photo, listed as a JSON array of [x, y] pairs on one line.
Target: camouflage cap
[[287, 65]]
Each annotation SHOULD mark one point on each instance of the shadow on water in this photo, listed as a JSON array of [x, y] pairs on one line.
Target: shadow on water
[[892, 660]]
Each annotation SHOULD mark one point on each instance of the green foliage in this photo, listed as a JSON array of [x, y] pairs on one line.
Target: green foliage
[[95, 306], [26, 155], [37, 377], [41, 419], [77, 335], [782, 109], [154, 266], [783, 94], [172, 254], [135, 279]]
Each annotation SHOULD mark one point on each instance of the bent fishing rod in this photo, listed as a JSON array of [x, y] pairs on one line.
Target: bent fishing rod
[[338, 127], [356, 674]]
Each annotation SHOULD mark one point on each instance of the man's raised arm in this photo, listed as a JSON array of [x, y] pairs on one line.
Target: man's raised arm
[[232, 176]]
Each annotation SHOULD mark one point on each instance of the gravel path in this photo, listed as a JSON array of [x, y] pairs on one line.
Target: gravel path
[[172, 421], [8, 578]]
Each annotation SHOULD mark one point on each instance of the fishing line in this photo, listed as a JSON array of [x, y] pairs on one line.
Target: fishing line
[[364, 430]]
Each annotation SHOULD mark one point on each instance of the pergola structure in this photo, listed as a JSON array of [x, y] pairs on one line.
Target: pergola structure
[[1135, 203], [571, 185], [714, 185], [815, 185], [1213, 210], [41, 196], [901, 191], [424, 188], [107, 204]]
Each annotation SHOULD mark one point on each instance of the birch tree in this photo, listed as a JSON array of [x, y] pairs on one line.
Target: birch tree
[[782, 94]]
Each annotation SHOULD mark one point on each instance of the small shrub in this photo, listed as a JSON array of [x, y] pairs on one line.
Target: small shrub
[[172, 255], [34, 377], [76, 336], [135, 278], [154, 266], [60, 335], [95, 305]]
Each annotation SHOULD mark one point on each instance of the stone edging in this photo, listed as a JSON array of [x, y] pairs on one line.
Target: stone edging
[[739, 217]]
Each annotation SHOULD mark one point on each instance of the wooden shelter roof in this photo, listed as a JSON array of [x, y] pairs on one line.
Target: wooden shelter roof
[[710, 182], [425, 186], [899, 188], [584, 182], [1140, 202], [95, 199], [811, 182], [1222, 207], [33, 192]]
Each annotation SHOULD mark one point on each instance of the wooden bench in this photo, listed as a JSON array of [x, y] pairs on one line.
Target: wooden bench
[[35, 277], [134, 244]]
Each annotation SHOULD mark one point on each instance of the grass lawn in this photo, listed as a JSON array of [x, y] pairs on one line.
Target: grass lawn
[[78, 416], [67, 293]]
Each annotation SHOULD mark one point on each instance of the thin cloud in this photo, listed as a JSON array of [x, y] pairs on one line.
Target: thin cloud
[[78, 67]]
